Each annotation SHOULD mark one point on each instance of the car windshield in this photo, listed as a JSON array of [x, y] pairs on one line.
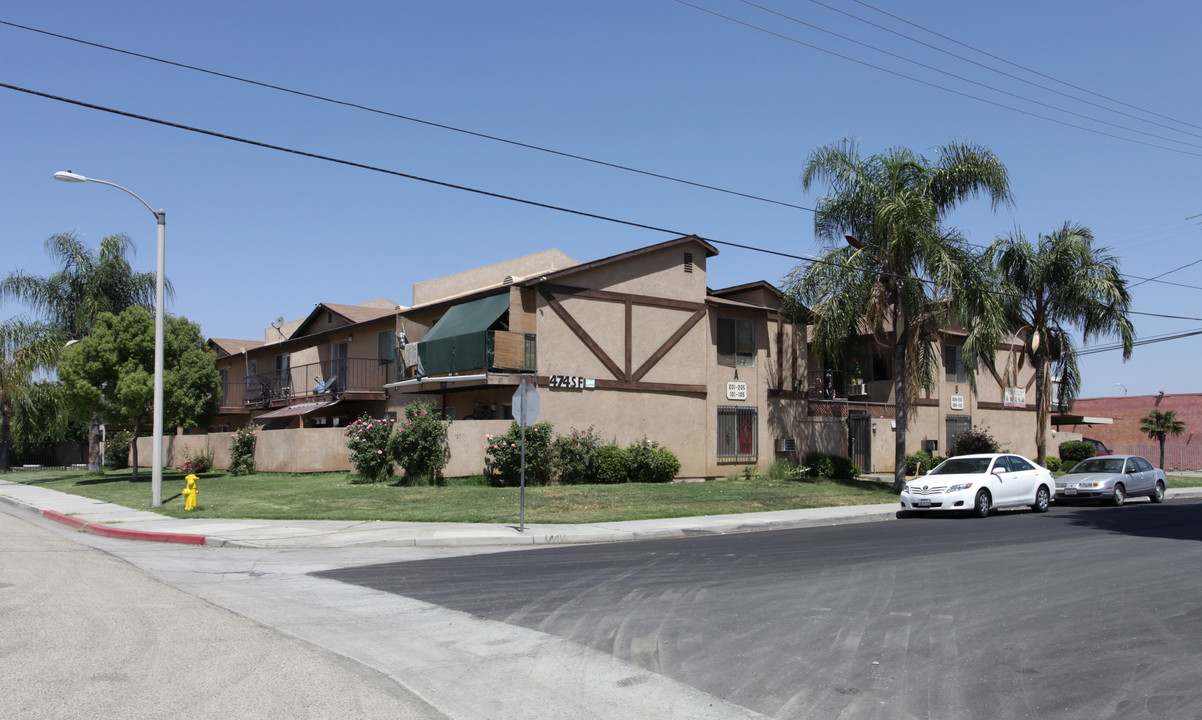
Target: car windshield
[[963, 466], [1098, 465]]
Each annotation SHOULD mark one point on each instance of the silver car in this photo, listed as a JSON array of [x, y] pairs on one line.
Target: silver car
[[1112, 478]]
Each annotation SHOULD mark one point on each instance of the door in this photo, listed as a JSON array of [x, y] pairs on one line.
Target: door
[[1143, 477], [1025, 479], [859, 441], [339, 353], [957, 425]]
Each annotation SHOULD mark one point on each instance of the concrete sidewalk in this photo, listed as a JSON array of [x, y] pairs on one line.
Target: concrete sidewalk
[[102, 518]]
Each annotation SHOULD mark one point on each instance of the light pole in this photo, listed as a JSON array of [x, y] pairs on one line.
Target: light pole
[[156, 472]]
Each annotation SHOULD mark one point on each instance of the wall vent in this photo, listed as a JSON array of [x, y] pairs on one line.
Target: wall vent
[[688, 262]]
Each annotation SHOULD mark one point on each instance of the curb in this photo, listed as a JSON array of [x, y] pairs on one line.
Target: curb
[[108, 530]]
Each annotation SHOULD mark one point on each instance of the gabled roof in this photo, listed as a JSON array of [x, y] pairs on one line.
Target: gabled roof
[[228, 346], [349, 314], [710, 251]]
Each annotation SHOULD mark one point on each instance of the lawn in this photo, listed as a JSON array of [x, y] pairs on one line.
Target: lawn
[[329, 496]]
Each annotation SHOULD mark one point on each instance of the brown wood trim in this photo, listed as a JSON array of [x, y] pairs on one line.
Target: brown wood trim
[[648, 300], [652, 387], [581, 333], [927, 402], [787, 394], [1032, 380], [629, 339], [668, 345], [780, 351]]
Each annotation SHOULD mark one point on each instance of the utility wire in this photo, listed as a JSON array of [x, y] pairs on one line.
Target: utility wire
[[1022, 67], [966, 79], [991, 69], [911, 78], [486, 193], [366, 108], [398, 116]]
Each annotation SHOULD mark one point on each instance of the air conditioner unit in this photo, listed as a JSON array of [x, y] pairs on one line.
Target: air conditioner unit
[[786, 445], [857, 390]]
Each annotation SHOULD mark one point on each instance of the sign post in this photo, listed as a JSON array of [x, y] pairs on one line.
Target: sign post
[[525, 407]]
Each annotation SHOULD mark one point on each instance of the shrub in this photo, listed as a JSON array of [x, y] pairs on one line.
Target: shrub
[[576, 456], [973, 441], [242, 451], [420, 445], [116, 449], [503, 456], [371, 452], [198, 462], [1074, 451], [646, 461], [785, 470], [611, 465], [814, 462], [921, 460], [835, 467], [1053, 463]]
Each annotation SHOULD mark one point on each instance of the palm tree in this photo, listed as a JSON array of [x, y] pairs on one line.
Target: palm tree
[[890, 266], [1159, 425], [1061, 285], [88, 283], [24, 349]]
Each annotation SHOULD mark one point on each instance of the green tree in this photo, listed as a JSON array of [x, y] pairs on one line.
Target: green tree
[[112, 372], [892, 268], [1049, 290], [24, 349], [88, 282], [1159, 425]]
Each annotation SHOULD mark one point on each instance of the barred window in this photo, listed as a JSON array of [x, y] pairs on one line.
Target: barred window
[[738, 433]]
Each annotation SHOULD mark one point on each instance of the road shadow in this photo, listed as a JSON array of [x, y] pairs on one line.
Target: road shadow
[[1173, 520]]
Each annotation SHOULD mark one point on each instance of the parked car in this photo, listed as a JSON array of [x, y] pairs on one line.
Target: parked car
[[1113, 478], [980, 483]]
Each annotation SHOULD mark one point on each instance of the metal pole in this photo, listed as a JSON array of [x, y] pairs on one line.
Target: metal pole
[[522, 486], [156, 473]]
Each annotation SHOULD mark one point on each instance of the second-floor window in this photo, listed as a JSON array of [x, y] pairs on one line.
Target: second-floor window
[[386, 347], [953, 364], [736, 343]]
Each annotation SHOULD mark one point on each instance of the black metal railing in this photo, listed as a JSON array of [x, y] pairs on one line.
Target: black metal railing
[[328, 378]]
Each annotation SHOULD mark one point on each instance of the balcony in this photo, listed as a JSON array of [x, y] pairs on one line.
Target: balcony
[[490, 350], [351, 379]]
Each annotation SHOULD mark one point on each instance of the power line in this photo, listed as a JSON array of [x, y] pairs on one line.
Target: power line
[[477, 191], [1027, 69], [429, 123], [987, 67], [935, 85], [969, 80]]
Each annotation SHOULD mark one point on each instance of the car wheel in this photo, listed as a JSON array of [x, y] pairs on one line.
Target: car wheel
[[983, 504], [1157, 495], [1120, 494], [1042, 500]]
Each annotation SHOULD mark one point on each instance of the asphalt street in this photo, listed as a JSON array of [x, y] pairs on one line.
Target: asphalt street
[[1085, 612]]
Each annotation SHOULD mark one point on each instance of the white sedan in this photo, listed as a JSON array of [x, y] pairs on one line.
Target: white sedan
[[980, 483]]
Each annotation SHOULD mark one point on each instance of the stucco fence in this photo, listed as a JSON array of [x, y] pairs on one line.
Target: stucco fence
[[309, 450]]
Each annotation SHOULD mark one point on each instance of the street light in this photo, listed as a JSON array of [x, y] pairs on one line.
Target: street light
[[156, 472]]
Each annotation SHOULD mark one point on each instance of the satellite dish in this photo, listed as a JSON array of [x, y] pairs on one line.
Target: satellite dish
[[277, 324]]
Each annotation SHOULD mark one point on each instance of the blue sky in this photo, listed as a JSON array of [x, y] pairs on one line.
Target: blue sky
[[736, 102]]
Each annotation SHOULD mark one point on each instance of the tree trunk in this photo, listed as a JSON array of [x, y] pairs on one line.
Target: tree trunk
[[1162, 439], [94, 443], [899, 413], [4, 445], [1042, 402]]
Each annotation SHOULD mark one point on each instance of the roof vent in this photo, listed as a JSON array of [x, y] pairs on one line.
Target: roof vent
[[508, 280], [688, 262]]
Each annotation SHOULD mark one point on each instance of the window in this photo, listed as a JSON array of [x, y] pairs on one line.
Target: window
[[386, 347], [1003, 464], [1017, 463], [736, 343], [953, 363], [738, 433]]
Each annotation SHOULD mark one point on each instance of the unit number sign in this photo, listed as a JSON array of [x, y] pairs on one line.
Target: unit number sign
[[570, 382]]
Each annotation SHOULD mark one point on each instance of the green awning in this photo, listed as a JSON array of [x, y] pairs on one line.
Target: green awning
[[459, 340]]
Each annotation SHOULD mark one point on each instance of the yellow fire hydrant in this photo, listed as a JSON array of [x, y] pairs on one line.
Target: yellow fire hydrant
[[190, 493]]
